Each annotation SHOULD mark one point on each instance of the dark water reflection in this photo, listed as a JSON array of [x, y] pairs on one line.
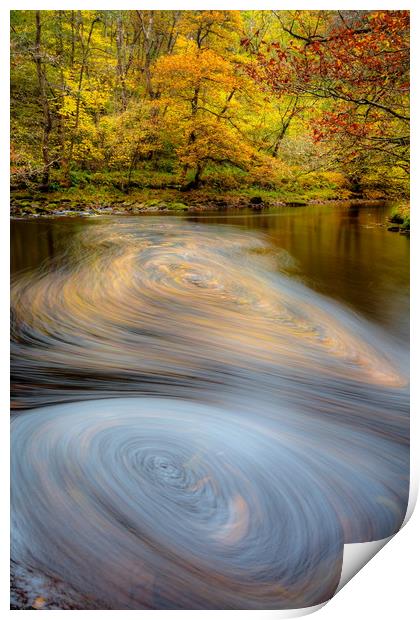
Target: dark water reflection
[[346, 253], [207, 408]]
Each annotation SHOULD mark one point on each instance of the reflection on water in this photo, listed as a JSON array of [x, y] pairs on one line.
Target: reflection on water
[[346, 253], [266, 424]]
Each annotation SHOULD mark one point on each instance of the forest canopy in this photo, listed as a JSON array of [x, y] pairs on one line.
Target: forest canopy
[[224, 99]]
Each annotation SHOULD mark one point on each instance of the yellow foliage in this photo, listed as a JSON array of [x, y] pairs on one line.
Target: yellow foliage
[[214, 141], [169, 86], [269, 172]]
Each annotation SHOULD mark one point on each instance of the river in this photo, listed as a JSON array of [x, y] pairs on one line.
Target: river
[[205, 408]]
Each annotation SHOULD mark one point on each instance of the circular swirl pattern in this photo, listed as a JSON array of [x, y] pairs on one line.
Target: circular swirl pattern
[[277, 430], [135, 308], [170, 504]]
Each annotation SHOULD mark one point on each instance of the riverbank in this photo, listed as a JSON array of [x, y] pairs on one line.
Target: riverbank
[[86, 203], [399, 219]]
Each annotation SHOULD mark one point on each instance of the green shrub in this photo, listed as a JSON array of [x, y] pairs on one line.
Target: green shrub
[[400, 214]]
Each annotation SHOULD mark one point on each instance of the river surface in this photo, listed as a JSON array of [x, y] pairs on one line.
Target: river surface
[[205, 409]]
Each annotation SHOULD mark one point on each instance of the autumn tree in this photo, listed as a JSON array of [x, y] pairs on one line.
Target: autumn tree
[[200, 85], [32, 98], [356, 65], [263, 95]]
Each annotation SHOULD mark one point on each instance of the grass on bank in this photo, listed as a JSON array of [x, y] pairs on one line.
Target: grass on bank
[[400, 214], [149, 186]]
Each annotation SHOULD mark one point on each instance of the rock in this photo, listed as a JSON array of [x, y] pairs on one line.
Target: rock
[[176, 206], [393, 228], [256, 200], [22, 197], [220, 203]]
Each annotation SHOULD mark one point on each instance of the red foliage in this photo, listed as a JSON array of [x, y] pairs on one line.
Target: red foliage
[[361, 63]]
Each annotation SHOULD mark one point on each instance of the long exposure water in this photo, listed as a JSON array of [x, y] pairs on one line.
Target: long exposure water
[[205, 409]]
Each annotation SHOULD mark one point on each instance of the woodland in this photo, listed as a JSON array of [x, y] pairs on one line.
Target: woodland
[[287, 105]]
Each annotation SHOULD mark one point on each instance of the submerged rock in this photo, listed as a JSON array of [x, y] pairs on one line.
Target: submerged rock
[[296, 203]]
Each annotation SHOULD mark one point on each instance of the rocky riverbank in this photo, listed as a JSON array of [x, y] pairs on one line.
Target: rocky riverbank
[[399, 220], [27, 206], [67, 207]]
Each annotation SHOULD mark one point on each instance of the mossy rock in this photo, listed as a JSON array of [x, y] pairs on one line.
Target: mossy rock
[[178, 206], [296, 203], [396, 218], [22, 197]]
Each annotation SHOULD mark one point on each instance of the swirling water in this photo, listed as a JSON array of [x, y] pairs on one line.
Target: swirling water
[[193, 427]]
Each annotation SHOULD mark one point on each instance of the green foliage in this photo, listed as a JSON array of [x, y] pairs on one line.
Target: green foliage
[[225, 177], [400, 214]]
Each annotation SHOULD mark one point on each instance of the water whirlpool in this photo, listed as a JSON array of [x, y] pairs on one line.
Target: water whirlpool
[[194, 428]]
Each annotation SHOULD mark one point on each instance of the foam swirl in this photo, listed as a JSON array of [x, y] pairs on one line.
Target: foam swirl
[[266, 425]]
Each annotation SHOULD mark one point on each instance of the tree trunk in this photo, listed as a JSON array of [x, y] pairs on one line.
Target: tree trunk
[[197, 177], [60, 101], [121, 61], [46, 112], [85, 54], [280, 137]]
